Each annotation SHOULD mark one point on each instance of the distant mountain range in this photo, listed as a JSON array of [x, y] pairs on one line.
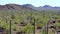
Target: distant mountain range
[[45, 7], [16, 6]]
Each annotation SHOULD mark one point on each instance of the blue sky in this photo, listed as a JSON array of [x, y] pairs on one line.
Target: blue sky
[[33, 2]]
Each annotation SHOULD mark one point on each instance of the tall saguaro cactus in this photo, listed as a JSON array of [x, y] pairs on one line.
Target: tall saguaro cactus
[[10, 26], [34, 26]]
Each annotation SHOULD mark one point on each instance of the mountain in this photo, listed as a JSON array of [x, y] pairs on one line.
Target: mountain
[[48, 7], [27, 6], [10, 6], [45, 7]]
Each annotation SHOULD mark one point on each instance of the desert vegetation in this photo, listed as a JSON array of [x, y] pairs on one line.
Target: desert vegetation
[[29, 21]]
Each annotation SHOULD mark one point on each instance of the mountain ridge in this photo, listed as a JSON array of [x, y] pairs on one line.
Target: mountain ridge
[[29, 6]]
